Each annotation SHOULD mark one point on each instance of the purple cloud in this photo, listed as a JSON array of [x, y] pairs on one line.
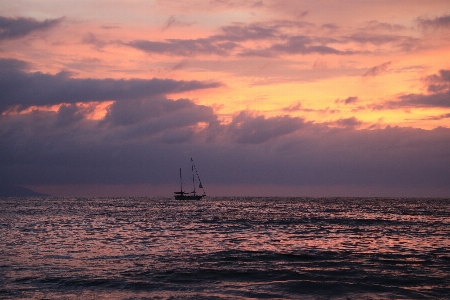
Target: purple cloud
[[299, 107], [151, 118], [90, 38], [348, 122], [220, 44], [279, 34], [439, 88], [128, 147], [376, 25], [254, 130], [232, 36], [439, 82], [330, 26], [174, 22], [24, 89], [169, 22], [404, 43], [349, 100], [438, 22], [299, 45], [420, 100], [294, 107], [244, 32], [14, 28], [435, 118], [377, 70], [183, 47]]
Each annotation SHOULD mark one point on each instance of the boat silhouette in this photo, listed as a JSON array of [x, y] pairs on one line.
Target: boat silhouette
[[182, 195]]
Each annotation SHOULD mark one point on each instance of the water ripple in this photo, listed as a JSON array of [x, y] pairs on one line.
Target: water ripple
[[224, 248]]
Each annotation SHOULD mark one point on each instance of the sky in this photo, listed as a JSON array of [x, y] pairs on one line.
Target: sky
[[269, 97]]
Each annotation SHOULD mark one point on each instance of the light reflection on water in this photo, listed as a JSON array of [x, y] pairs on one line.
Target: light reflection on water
[[225, 248]]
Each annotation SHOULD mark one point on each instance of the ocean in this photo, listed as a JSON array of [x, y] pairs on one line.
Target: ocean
[[224, 248]]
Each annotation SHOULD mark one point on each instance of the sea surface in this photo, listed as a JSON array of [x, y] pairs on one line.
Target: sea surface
[[224, 248]]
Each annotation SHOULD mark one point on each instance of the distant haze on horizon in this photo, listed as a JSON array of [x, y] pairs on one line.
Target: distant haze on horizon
[[270, 98]]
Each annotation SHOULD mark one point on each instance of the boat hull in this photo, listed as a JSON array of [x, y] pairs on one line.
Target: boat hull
[[188, 197]]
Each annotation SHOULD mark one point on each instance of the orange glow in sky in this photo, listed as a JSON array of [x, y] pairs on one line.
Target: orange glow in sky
[[290, 65], [268, 55]]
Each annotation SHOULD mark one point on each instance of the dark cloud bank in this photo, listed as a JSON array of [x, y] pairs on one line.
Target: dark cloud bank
[[22, 89], [145, 137]]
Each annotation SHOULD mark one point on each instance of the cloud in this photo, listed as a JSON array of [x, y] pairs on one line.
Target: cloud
[[349, 100], [183, 47], [298, 45], [330, 26], [236, 4], [376, 39], [245, 32], [24, 89], [174, 22], [305, 45], [434, 118], [439, 88], [144, 135], [440, 117], [444, 76], [220, 44], [294, 107], [299, 107], [378, 70], [67, 139], [14, 28], [13, 65], [169, 22], [420, 100], [254, 130], [90, 38], [377, 26], [404, 43], [280, 37], [258, 4], [69, 114], [232, 38], [439, 82], [180, 65], [348, 122], [147, 118], [148, 141], [438, 22]]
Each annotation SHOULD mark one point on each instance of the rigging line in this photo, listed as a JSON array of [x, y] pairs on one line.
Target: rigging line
[[198, 176]]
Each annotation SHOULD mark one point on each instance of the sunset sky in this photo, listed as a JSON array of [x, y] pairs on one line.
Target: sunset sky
[[270, 98]]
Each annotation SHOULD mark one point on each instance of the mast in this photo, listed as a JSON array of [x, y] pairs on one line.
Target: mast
[[193, 177], [181, 183]]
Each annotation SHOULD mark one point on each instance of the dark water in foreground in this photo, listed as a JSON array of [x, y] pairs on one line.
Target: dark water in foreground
[[225, 248]]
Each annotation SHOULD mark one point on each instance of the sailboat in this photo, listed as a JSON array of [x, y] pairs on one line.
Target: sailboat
[[182, 195]]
